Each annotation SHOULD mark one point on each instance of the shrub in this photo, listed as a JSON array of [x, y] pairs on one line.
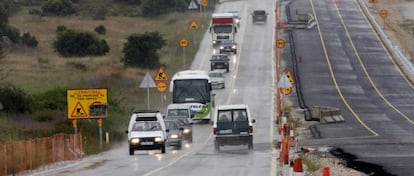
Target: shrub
[[58, 7], [29, 40], [73, 43], [54, 99], [14, 99], [141, 50], [100, 29], [151, 8], [61, 28]]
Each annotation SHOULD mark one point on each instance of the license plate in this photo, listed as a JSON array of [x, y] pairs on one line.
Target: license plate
[[226, 131], [147, 143]]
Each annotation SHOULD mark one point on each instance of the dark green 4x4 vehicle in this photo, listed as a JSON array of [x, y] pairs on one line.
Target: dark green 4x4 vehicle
[[220, 61], [233, 125]]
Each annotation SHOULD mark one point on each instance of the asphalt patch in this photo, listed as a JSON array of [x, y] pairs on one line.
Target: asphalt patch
[[351, 162]]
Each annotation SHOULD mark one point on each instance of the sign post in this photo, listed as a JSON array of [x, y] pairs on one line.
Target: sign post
[[147, 82], [161, 77], [194, 27], [204, 3], [184, 44], [384, 15]]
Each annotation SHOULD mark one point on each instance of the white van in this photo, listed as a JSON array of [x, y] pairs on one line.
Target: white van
[[146, 131]]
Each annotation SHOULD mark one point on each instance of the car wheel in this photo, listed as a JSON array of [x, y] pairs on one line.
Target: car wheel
[[131, 151], [216, 146], [163, 148], [227, 69], [180, 145], [211, 68], [250, 145], [224, 86]]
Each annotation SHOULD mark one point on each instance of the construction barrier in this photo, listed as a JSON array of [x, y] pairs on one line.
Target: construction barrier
[[327, 114], [20, 156]]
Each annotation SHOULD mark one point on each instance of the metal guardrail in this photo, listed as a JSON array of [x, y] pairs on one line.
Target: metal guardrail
[[403, 62]]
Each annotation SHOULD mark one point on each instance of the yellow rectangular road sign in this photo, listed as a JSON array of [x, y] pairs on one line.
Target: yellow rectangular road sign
[[82, 101]]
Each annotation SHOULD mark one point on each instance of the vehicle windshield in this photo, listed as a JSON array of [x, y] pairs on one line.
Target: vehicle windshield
[[219, 57], [259, 12], [215, 74], [181, 120], [171, 125], [232, 115], [177, 112], [223, 29], [146, 126], [191, 90]]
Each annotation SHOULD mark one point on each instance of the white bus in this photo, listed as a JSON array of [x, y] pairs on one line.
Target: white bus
[[193, 88]]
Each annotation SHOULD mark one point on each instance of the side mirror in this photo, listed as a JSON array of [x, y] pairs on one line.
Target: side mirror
[[167, 130], [254, 121], [181, 129], [126, 131]]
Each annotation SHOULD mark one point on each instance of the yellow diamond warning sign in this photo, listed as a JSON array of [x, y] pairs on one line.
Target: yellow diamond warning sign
[[87, 103]]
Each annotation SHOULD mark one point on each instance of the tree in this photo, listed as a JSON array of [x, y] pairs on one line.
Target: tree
[[141, 50], [29, 40], [152, 8], [73, 43], [58, 7], [100, 29]]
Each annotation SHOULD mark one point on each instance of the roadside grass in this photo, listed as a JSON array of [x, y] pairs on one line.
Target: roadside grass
[[40, 69], [311, 165]]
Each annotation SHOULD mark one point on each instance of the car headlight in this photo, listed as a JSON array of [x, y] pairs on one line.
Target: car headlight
[[234, 47], [214, 42], [237, 20], [135, 141], [158, 139], [221, 47], [186, 131], [174, 136]]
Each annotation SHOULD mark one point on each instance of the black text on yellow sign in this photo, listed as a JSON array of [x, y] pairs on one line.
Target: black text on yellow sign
[[82, 101], [286, 91], [161, 86], [183, 42], [280, 43], [384, 13], [204, 3]]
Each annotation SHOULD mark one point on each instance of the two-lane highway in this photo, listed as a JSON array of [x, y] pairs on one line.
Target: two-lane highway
[[345, 65]]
